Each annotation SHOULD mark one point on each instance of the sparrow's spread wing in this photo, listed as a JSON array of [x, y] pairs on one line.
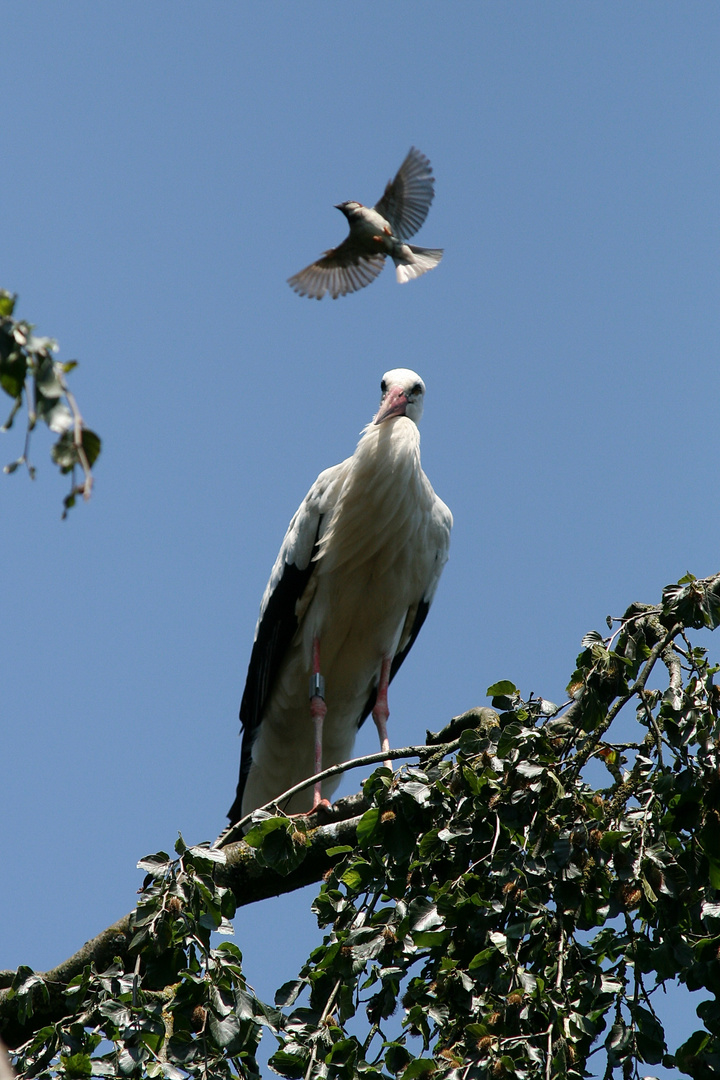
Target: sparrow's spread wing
[[341, 270], [407, 198]]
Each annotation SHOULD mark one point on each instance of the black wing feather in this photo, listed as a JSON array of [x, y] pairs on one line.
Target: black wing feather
[[275, 632], [420, 617]]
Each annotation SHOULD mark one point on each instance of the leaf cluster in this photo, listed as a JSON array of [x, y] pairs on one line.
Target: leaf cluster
[[182, 1008], [496, 915], [32, 378]]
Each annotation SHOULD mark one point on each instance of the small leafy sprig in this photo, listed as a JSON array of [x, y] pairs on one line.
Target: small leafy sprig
[[30, 375]]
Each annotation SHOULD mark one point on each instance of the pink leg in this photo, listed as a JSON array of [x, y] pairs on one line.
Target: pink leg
[[318, 711], [381, 711]]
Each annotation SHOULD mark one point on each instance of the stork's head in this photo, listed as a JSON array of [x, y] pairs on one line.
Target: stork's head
[[402, 395]]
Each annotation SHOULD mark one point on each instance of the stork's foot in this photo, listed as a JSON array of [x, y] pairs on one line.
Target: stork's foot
[[323, 804], [318, 799]]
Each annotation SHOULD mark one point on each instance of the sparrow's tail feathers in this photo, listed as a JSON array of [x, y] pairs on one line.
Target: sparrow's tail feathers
[[421, 260]]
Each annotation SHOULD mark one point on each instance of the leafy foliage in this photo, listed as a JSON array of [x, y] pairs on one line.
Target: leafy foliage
[[30, 376], [182, 1009], [498, 916]]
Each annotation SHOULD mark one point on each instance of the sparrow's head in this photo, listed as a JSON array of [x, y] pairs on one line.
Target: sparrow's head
[[350, 209], [402, 395]]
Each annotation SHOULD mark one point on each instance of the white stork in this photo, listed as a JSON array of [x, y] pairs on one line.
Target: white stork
[[349, 591]]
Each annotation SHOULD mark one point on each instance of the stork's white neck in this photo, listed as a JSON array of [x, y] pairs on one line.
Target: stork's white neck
[[382, 486]]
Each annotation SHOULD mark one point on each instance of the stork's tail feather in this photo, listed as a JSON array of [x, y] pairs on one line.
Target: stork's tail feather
[[423, 259]]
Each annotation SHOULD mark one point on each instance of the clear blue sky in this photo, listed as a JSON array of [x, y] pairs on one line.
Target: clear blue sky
[[166, 168]]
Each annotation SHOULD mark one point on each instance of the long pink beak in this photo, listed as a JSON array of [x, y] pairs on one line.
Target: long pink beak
[[394, 404]]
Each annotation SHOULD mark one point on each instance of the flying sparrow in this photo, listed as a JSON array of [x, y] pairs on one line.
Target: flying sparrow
[[376, 233]]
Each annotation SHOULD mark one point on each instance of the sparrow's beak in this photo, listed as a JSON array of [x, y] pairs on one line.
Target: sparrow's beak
[[393, 404]]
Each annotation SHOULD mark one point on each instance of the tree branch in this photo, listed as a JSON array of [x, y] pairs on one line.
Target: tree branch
[[241, 873], [574, 766], [274, 806], [248, 880]]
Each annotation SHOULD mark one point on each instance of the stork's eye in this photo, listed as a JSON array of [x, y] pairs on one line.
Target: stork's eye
[[383, 387], [417, 388]]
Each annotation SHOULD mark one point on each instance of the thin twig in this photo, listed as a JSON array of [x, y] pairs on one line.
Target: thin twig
[[77, 434], [654, 609], [653, 724], [558, 987], [235, 831], [584, 754], [484, 858], [136, 976], [326, 1012]]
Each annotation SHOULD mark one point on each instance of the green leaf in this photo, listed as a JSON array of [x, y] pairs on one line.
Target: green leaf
[[499, 941], [92, 444], [47, 383], [650, 1037], [13, 366], [419, 1067], [229, 950], [54, 412], [648, 890], [204, 851], [288, 993], [430, 939], [480, 959], [280, 843], [224, 1030], [343, 1052], [611, 839], [420, 793], [65, 453], [155, 864], [77, 1065], [106, 1068], [256, 835], [619, 1040], [7, 303], [592, 638], [504, 688], [472, 742], [690, 1050], [397, 1056], [509, 737], [357, 876], [530, 770], [714, 873], [423, 915], [290, 1062], [367, 825]]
